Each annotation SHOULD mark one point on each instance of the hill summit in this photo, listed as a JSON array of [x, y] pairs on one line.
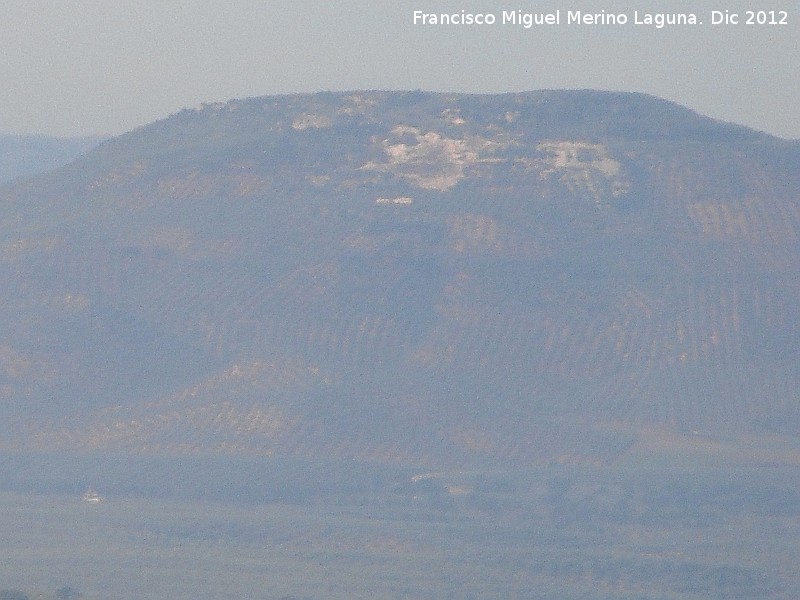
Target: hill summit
[[406, 277]]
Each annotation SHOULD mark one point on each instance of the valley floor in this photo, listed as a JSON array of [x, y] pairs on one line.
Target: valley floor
[[556, 532]]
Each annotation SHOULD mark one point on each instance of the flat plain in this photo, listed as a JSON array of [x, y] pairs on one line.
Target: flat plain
[[622, 532]]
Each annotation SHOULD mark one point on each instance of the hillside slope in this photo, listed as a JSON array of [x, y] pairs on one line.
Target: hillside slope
[[407, 277]]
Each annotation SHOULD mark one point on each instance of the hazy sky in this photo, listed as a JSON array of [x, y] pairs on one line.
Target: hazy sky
[[76, 67]]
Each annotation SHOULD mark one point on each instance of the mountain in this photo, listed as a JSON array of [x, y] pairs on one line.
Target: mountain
[[445, 279], [25, 155]]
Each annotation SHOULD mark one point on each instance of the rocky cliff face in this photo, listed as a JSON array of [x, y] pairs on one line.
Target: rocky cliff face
[[406, 277]]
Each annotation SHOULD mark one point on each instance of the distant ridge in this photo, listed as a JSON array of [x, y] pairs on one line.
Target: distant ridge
[[25, 155], [407, 277]]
